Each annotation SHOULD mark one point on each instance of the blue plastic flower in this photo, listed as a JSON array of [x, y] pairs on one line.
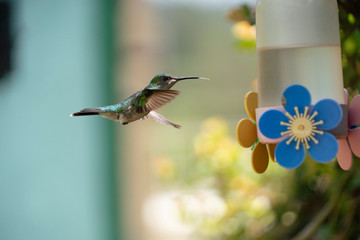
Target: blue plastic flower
[[302, 128]]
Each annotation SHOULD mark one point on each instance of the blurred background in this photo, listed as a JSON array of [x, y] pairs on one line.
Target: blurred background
[[91, 178]]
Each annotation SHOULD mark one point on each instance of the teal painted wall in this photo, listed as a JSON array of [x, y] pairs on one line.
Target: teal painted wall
[[56, 177]]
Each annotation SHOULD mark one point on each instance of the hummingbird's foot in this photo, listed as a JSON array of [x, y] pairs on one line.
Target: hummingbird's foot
[[124, 123]]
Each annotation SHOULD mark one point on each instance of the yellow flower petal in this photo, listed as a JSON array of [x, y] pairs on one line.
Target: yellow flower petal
[[271, 150], [259, 158], [251, 103], [246, 132]]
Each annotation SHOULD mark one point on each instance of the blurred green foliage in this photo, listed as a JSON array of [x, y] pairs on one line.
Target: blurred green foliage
[[220, 165], [315, 201], [349, 16], [244, 26]]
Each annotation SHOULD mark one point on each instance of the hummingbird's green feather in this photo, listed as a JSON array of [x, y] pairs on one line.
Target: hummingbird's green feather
[[141, 100], [158, 81], [150, 99]]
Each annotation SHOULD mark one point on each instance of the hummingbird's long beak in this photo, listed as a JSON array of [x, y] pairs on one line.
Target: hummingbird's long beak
[[192, 77]]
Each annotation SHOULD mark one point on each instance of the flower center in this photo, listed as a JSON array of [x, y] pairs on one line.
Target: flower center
[[301, 128]]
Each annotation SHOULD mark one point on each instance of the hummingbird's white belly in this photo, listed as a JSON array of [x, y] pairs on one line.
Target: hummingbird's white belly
[[124, 118], [112, 116], [132, 117]]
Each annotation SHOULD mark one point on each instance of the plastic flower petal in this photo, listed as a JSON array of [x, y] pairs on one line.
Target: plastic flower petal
[[270, 124], [251, 103], [352, 142], [271, 149], [354, 113], [296, 96], [326, 148], [246, 134], [288, 156], [259, 158], [330, 113], [344, 155], [302, 128]]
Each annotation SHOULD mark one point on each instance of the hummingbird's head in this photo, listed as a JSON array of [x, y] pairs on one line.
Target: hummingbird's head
[[166, 81]]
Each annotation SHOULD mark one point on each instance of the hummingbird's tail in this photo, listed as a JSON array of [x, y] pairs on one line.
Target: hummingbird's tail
[[87, 112]]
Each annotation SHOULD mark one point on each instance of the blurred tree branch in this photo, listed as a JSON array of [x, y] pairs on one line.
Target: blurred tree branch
[[324, 213]]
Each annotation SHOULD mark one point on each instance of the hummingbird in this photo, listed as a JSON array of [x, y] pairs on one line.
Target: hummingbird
[[143, 103]]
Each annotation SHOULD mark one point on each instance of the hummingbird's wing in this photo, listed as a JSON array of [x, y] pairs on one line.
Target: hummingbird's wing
[[154, 99], [161, 119]]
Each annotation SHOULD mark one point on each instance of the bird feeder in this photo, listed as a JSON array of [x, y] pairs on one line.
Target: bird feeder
[[301, 106], [298, 42]]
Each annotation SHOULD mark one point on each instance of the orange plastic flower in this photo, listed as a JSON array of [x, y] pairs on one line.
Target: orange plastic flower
[[246, 135]]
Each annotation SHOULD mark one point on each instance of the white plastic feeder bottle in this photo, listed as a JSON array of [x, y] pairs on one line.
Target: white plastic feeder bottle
[[298, 42]]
